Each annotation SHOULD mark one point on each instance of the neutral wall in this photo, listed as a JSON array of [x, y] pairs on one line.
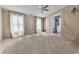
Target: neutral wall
[[70, 22], [6, 24], [42, 24], [48, 24], [1, 24], [29, 25]]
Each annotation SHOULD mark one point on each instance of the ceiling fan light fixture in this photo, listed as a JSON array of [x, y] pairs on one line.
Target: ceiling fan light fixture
[[43, 8]]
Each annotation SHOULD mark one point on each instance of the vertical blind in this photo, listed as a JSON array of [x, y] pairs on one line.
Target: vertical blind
[[16, 24]]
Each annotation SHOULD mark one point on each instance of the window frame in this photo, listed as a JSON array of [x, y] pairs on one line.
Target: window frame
[[17, 15], [53, 23], [37, 25]]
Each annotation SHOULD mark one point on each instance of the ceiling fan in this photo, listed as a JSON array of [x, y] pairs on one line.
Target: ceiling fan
[[43, 8]]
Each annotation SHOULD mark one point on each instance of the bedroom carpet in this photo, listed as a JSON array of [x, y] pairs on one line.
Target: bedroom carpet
[[38, 44]]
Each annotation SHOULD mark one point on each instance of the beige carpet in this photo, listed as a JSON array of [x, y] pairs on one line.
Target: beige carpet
[[38, 43]]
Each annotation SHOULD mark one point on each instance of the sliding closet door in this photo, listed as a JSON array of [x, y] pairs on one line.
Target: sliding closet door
[[16, 24]]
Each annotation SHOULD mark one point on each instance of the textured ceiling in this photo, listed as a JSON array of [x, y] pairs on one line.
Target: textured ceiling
[[33, 9]]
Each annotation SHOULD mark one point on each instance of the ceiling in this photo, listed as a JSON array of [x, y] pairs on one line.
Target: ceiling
[[33, 9]]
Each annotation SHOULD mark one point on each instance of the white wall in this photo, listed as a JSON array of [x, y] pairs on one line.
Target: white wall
[[0, 24]]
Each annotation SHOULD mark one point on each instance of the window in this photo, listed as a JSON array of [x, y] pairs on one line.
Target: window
[[56, 24], [17, 26], [38, 24]]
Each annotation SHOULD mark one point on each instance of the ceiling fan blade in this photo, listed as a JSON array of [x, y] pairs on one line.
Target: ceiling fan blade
[[46, 10], [45, 6]]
